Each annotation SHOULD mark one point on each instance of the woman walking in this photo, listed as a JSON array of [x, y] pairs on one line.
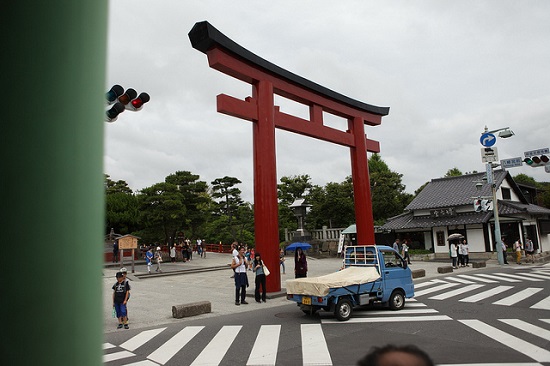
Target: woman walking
[[300, 264]]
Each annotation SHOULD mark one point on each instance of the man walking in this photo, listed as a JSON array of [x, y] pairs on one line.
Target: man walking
[[396, 246]]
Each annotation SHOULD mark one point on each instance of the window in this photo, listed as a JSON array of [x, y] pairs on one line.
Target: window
[[506, 195]]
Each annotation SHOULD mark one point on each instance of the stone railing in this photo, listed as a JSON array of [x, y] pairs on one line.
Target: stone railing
[[324, 234]]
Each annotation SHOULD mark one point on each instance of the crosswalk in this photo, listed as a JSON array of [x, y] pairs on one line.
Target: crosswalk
[[497, 287], [478, 287], [314, 346], [315, 350]]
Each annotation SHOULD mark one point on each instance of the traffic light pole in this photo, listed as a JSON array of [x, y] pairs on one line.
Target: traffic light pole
[[51, 188], [498, 238]]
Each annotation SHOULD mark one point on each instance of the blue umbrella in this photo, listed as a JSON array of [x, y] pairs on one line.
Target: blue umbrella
[[297, 245]]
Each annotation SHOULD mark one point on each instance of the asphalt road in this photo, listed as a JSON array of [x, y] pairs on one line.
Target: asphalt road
[[498, 315]]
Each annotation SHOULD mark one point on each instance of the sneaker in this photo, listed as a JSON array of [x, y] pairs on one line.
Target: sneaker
[[237, 303], [244, 302], [258, 301], [119, 326], [263, 300]]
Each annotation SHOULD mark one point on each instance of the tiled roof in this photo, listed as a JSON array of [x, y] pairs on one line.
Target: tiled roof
[[509, 207], [453, 191], [456, 192], [408, 221]]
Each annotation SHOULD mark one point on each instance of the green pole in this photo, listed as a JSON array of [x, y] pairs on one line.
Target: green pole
[[51, 181]]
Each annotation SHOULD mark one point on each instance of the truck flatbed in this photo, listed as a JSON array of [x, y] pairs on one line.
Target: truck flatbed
[[321, 286]]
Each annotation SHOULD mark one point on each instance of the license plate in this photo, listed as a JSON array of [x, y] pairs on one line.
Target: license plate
[[306, 300]]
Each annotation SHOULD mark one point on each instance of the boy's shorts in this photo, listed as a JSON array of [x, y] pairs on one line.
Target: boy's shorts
[[120, 310]]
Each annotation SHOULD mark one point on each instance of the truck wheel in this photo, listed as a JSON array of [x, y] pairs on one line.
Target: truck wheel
[[397, 300], [343, 309]]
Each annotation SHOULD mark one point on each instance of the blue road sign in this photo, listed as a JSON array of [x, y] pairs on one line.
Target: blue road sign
[[487, 139]]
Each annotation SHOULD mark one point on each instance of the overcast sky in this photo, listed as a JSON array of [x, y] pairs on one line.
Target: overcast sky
[[446, 69]]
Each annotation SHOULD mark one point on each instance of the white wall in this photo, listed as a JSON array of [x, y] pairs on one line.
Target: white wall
[[474, 236]]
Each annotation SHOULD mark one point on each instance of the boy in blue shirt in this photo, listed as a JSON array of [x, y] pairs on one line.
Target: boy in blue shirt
[[121, 292], [149, 259]]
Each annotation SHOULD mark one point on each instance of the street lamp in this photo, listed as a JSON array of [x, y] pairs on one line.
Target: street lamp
[[300, 208], [503, 133]]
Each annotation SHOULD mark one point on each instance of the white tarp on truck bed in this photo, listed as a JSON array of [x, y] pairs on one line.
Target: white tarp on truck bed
[[319, 286]]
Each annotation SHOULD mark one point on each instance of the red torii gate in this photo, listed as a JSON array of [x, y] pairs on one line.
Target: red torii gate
[[267, 80]]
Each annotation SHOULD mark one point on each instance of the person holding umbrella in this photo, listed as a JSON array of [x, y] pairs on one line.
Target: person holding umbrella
[[300, 263]]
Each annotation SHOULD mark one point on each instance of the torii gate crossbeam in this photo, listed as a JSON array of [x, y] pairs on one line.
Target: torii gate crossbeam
[[267, 80]]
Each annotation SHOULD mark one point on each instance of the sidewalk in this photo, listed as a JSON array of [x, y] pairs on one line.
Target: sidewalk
[[208, 279]]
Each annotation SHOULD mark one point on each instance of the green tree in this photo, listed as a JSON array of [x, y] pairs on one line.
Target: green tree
[[454, 172], [527, 180], [196, 199], [332, 205], [388, 193], [119, 186], [544, 197], [543, 189], [121, 207], [293, 187], [178, 204], [229, 201]]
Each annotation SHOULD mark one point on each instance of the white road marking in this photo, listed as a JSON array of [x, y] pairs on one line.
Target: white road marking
[[140, 339], [544, 304], [117, 356], [434, 289], [497, 277], [165, 352], [213, 353], [518, 344], [527, 327], [456, 292], [392, 319], [314, 346], [264, 351], [486, 294], [474, 278], [518, 296]]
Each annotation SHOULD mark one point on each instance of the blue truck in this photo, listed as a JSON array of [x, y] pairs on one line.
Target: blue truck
[[370, 274]]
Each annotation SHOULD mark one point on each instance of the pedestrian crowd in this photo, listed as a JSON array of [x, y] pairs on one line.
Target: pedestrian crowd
[[459, 253]]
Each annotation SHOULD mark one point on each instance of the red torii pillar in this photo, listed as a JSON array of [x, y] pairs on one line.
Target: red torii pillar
[[267, 80]]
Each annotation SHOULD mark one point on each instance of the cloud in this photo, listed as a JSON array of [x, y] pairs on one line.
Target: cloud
[[445, 69]]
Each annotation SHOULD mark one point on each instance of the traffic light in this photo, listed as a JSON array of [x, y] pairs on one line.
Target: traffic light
[[127, 96], [113, 94], [137, 104], [482, 205], [122, 100], [486, 205], [477, 205], [535, 161], [112, 114]]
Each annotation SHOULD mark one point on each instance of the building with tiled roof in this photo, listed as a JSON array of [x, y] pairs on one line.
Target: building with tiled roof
[[446, 206]]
